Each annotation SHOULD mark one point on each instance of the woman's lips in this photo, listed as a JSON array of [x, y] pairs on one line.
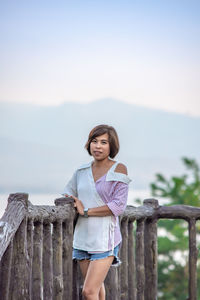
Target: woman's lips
[[97, 152]]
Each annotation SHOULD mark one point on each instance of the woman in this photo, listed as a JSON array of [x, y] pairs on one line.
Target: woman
[[99, 190]]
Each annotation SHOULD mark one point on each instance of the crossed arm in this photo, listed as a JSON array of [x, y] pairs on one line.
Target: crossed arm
[[100, 211]]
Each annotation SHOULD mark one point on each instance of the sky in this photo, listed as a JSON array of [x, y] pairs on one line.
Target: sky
[[141, 52]]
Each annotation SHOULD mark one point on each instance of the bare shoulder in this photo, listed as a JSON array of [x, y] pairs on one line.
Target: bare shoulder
[[121, 168]]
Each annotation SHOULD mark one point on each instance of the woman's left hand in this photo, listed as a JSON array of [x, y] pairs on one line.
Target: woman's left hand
[[79, 205]]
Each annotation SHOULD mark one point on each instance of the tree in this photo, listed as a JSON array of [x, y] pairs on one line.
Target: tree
[[173, 234]]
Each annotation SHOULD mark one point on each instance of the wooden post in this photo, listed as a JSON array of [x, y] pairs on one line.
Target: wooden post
[[5, 273], [124, 256], [57, 261], [47, 262], [67, 238], [131, 263], [30, 228], [193, 252], [37, 276], [75, 281], [140, 275], [71, 285], [19, 279], [150, 250], [111, 284], [80, 283], [67, 259], [15, 212]]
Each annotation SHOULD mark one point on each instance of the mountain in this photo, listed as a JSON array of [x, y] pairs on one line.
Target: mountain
[[42, 146]]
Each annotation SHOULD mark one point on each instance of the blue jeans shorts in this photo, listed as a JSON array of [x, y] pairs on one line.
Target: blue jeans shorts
[[81, 254]]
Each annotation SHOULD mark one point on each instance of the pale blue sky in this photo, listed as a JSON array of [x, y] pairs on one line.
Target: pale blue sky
[[142, 52]]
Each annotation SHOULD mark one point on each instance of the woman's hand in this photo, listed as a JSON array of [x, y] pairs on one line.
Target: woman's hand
[[79, 205]]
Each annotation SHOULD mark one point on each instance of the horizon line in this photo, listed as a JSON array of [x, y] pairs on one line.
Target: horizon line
[[86, 102]]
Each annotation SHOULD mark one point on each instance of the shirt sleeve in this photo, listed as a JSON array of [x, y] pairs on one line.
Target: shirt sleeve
[[119, 199], [71, 187]]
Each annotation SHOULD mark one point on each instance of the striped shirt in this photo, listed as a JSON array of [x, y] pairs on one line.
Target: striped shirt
[[114, 194]]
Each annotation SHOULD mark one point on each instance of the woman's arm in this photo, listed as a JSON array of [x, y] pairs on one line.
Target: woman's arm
[[100, 211]]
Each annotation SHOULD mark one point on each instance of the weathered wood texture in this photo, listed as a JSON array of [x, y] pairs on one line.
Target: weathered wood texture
[[124, 258], [75, 282], [57, 261], [67, 262], [47, 261], [131, 263], [5, 272], [140, 272], [19, 269], [49, 214], [112, 284], [193, 253], [36, 251], [12, 218], [150, 259], [37, 275], [30, 228], [150, 254], [39, 254]]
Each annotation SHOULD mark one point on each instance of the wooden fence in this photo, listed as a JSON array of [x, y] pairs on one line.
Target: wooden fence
[[36, 251]]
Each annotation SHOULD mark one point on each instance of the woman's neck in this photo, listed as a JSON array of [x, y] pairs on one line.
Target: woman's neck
[[102, 163]]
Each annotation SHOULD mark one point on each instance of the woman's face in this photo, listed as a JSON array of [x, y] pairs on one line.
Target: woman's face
[[100, 147]]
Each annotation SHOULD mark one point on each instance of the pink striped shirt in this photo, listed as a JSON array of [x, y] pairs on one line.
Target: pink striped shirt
[[114, 194]]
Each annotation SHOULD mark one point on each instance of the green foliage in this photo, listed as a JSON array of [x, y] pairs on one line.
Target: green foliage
[[173, 234]]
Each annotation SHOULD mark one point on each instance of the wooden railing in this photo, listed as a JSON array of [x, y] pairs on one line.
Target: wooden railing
[[36, 251]]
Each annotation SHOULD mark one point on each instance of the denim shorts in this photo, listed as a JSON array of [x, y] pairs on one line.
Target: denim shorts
[[81, 254]]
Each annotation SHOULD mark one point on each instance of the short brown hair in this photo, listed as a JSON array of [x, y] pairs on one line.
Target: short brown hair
[[112, 135]]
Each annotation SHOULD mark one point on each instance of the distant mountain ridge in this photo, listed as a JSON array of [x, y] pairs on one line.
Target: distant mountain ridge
[[41, 146]]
